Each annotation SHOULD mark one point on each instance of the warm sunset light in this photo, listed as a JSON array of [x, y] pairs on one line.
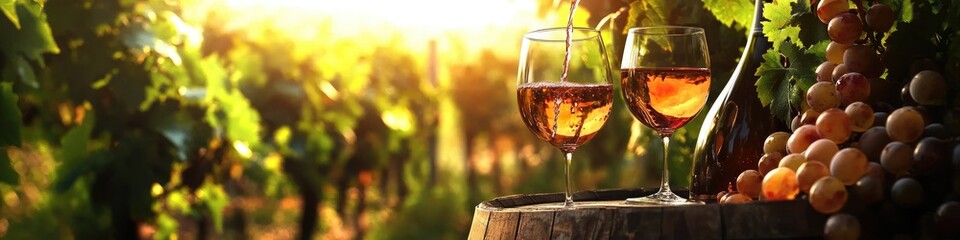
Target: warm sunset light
[[441, 119]]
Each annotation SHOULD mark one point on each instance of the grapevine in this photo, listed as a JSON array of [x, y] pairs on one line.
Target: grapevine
[[874, 115]]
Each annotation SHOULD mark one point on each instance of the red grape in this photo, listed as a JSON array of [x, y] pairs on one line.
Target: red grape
[[842, 226], [845, 28], [907, 192], [821, 151], [748, 183], [853, 87], [780, 184], [828, 9], [839, 71], [809, 173], [736, 198], [873, 141], [880, 17], [864, 60], [828, 195], [897, 158], [802, 138], [849, 165], [809, 117], [834, 124], [768, 162], [825, 71]]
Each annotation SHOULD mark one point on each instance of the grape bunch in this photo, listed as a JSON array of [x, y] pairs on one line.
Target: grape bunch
[[868, 147]]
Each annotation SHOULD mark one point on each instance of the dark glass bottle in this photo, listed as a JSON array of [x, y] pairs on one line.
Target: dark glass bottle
[[731, 138]]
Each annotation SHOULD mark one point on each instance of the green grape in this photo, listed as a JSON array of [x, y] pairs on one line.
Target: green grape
[[828, 195], [822, 96], [821, 151], [776, 142], [834, 124], [897, 158], [849, 165], [825, 71], [835, 53], [907, 192], [842, 226], [864, 60], [861, 116], [749, 183], [928, 88], [802, 138], [905, 124], [792, 161], [809, 117], [873, 141], [844, 28], [880, 17], [810, 172], [828, 9]]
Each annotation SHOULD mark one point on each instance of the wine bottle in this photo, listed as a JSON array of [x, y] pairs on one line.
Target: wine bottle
[[731, 138]]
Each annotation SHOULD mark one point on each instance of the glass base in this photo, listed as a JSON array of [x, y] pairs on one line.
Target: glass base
[[663, 198]]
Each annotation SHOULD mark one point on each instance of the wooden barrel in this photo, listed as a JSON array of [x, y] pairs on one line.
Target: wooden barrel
[[602, 214]]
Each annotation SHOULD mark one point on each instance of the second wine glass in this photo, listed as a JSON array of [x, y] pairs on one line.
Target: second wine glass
[[665, 78]]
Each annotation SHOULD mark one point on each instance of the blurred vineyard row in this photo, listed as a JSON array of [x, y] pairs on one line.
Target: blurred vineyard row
[[221, 119]]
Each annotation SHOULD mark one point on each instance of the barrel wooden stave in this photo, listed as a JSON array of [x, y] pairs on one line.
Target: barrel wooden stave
[[507, 218]]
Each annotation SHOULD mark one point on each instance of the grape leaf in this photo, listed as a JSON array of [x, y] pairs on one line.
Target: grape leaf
[[731, 13], [9, 8], [7, 174], [781, 85], [33, 38], [649, 13], [906, 11], [780, 26], [20, 69], [10, 120]]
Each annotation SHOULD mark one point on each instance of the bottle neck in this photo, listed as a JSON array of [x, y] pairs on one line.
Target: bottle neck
[[757, 17]]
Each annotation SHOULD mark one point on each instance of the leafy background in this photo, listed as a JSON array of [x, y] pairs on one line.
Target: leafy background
[[220, 119]]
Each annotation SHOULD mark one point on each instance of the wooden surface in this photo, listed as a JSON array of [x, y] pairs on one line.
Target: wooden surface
[[601, 214]]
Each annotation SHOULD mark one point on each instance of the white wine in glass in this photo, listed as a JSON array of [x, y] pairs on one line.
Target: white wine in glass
[[665, 78], [564, 107]]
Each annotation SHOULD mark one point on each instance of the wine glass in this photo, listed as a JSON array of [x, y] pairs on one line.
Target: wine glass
[[665, 77], [564, 105]]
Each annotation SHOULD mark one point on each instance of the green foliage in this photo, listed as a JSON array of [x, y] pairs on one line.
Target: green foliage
[[736, 13], [9, 9], [7, 174], [781, 85], [28, 37], [9, 117], [780, 26]]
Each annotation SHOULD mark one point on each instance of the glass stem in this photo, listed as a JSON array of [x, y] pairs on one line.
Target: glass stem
[[665, 180], [568, 202]]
